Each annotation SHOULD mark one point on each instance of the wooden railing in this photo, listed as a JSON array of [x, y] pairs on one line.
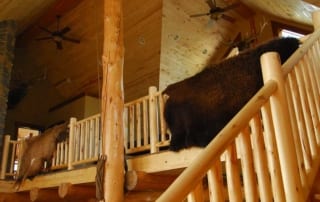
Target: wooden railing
[[270, 150], [84, 141], [145, 128], [145, 132], [10, 157]]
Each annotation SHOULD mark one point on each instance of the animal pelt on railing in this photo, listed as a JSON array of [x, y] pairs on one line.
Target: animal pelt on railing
[[200, 106], [39, 149]]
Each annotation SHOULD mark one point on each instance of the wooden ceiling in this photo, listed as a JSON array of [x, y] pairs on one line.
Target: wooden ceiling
[[288, 11], [154, 30]]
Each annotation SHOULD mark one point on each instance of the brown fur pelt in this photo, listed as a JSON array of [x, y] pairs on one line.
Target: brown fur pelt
[[200, 106], [39, 149]]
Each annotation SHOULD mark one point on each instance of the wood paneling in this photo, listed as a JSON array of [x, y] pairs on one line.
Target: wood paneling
[[162, 43], [294, 12], [23, 13], [142, 35], [153, 29], [189, 44], [76, 68]]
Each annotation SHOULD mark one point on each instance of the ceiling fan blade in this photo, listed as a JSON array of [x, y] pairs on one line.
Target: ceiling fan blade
[[59, 45], [212, 4], [70, 39], [199, 15], [65, 30], [43, 38], [45, 29], [228, 18]]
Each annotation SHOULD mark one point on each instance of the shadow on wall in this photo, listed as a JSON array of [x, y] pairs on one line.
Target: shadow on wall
[[7, 43]]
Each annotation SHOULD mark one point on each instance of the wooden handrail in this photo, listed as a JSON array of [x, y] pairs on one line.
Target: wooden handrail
[[297, 55]]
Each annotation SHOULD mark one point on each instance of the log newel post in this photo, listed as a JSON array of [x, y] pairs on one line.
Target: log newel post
[[271, 70], [112, 102], [153, 119], [316, 19], [72, 131], [5, 153]]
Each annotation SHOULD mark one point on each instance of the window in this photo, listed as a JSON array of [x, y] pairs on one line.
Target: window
[[289, 33], [284, 30]]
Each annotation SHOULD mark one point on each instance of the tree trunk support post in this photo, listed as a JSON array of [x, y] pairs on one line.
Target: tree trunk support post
[[271, 70], [316, 20], [112, 101]]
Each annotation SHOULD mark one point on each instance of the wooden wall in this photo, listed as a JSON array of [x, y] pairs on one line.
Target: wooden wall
[[189, 44], [142, 38], [162, 45], [54, 76], [23, 13], [75, 69], [79, 108], [34, 107]]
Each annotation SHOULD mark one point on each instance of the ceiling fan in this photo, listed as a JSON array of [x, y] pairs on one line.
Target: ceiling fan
[[216, 12], [58, 35]]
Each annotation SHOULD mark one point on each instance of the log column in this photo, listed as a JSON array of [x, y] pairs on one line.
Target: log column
[[271, 70], [112, 102]]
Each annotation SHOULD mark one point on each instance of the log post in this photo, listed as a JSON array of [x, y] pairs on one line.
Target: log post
[[215, 183], [71, 142], [197, 194], [271, 70], [153, 119], [316, 19], [5, 157], [112, 101]]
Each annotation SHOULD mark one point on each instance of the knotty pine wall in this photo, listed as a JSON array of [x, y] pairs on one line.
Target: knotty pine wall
[[189, 44]]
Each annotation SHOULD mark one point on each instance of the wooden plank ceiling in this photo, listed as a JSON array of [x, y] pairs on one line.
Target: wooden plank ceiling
[[160, 38]]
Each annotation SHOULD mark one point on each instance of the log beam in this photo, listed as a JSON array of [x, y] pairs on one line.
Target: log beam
[[76, 192], [21, 197], [140, 181], [37, 194]]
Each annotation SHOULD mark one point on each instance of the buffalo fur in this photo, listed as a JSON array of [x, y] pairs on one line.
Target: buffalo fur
[[39, 149], [200, 106]]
